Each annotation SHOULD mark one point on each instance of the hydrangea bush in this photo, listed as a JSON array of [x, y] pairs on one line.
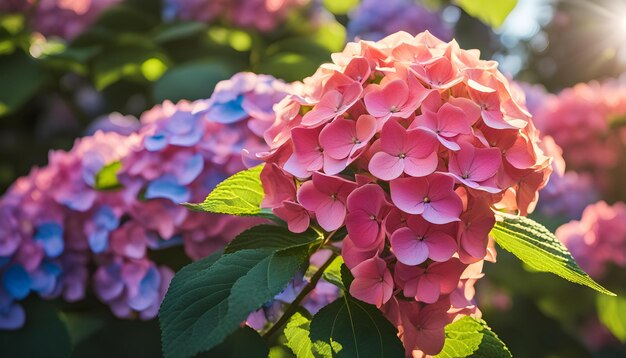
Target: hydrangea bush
[[400, 157], [91, 216]]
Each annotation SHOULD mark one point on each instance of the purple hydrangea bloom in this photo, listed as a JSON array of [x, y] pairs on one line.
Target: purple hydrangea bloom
[[60, 234], [372, 20], [566, 196], [62, 18], [262, 15]]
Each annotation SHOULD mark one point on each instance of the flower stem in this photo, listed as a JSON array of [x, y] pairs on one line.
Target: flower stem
[[293, 307]]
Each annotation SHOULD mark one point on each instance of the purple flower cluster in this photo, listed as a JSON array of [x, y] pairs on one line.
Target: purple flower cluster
[[373, 20], [58, 233], [62, 18], [263, 15]]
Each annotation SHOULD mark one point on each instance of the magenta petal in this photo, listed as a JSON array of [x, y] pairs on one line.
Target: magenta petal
[[393, 138], [420, 167], [364, 230], [441, 246], [408, 248], [428, 289], [366, 128], [367, 290], [295, 215], [443, 212], [452, 121], [448, 143], [334, 166], [447, 274], [372, 282], [331, 214], [337, 138], [352, 256], [310, 197], [408, 194], [386, 166], [296, 167], [485, 164]]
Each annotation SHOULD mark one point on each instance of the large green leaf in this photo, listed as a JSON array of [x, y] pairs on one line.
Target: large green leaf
[[137, 62], [490, 12], [468, 337], [271, 237], [297, 334], [21, 78], [241, 194], [351, 328], [205, 303], [540, 249], [612, 313]]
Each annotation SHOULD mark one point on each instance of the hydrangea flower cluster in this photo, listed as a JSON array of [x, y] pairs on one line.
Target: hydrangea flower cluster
[[56, 226], [598, 239], [263, 15], [64, 19], [371, 21], [587, 122], [409, 142]]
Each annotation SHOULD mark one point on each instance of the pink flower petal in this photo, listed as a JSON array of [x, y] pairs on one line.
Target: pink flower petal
[[441, 246], [408, 248], [386, 166], [428, 289]]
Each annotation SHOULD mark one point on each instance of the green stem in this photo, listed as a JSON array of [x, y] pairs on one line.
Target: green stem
[[293, 307]]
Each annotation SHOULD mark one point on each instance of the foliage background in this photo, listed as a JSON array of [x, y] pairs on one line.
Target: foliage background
[[130, 60]]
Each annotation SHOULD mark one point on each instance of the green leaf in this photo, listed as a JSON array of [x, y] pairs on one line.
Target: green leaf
[[21, 79], [351, 328], [297, 334], [332, 273], [612, 313], [241, 194], [205, 303], [490, 12], [338, 274], [537, 247], [106, 178], [244, 343], [340, 7], [44, 334], [191, 81], [468, 337], [271, 237], [123, 19], [177, 31], [124, 62]]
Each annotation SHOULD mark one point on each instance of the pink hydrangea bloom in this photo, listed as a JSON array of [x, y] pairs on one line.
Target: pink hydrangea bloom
[[410, 142], [598, 239], [57, 226], [587, 122]]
